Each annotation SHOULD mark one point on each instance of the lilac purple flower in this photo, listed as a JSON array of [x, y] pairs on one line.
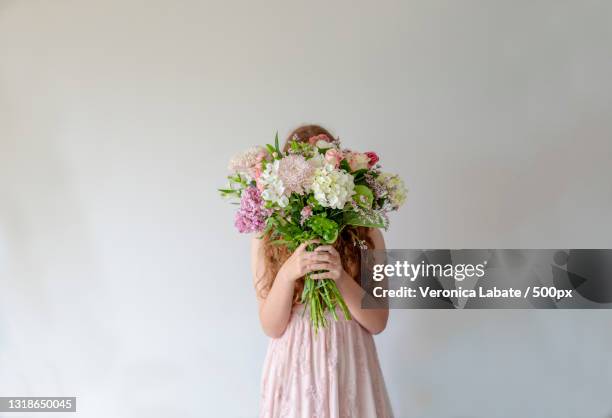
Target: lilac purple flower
[[251, 217], [376, 187]]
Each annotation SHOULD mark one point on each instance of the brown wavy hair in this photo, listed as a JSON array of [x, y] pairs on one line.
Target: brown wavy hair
[[275, 255]]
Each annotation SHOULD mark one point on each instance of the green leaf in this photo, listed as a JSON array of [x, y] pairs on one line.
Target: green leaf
[[306, 289], [228, 193], [373, 220], [341, 302], [359, 175], [363, 196], [324, 228], [345, 165], [276, 146]]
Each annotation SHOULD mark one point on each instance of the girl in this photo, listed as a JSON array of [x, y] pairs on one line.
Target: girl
[[332, 374]]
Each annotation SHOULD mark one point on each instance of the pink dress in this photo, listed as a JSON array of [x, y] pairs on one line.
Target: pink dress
[[334, 374]]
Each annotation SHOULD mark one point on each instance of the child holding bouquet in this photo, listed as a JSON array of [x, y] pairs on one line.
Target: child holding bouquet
[[315, 206]]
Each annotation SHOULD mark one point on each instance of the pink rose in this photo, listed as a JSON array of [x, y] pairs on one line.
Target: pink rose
[[373, 158], [358, 161], [321, 137], [333, 156]]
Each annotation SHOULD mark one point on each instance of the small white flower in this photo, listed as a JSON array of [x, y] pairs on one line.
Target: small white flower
[[273, 188]]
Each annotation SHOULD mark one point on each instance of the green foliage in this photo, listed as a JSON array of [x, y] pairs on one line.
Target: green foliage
[[344, 165], [274, 150], [286, 232], [320, 296], [301, 148], [237, 183], [363, 196], [369, 219], [313, 203], [324, 228], [230, 193], [279, 154], [360, 175]]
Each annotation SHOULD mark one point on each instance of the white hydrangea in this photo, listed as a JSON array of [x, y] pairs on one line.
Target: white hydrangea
[[332, 187], [273, 187]]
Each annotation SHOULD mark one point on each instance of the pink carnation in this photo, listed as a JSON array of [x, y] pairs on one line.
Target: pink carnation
[[252, 215], [373, 158], [249, 163], [295, 173]]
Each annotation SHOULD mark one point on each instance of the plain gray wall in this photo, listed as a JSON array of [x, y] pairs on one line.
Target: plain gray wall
[[123, 281]]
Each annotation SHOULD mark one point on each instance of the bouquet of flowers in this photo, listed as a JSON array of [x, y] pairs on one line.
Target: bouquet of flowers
[[312, 191]]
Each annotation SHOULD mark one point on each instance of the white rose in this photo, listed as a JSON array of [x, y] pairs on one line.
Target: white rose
[[358, 161]]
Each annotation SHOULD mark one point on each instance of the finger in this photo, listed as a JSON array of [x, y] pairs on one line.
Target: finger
[[322, 257], [311, 242], [327, 249], [319, 266], [322, 276], [303, 245]]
